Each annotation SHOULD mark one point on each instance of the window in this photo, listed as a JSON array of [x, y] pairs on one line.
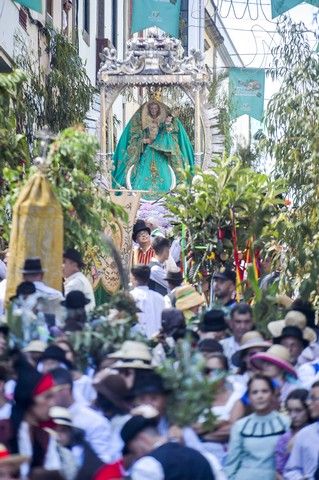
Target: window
[[86, 16], [184, 24], [23, 18], [114, 23], [49, 8]]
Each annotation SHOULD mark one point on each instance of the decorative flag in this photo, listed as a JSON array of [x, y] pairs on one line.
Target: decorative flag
[[33, 4], [246, 92], [164, 14], [278, 7]]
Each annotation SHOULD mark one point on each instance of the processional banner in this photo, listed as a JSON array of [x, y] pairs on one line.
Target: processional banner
[[37, 231], [278, 7], [106, 271], [33, 4], [163, 14], [246, 92]]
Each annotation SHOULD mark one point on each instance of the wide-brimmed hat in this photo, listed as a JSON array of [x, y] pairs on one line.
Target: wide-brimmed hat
[[32, 265], [187, 297], [75, 299], [113, 388], [293, 319], [75, 256], [226, 274], [54, 352], [138, 227], [291, 331], [36, 346], [134, 364], [277, 355], [131, 350], [175, 276], [61, 416], [213, 321], [252, 339], [6, 458]]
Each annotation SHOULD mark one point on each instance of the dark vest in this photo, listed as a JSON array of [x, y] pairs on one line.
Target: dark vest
[[152, 285], [182, 463]]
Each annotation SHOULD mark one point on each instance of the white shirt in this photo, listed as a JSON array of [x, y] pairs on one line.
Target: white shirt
[[44, 289], [97, 430], [308, 374], [158, 273], [230, 347], [151, 305], [78, 281], [149, 468], [83, 390], [5, 411]]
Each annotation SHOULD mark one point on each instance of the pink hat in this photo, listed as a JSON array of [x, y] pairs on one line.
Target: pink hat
[[277, 355]]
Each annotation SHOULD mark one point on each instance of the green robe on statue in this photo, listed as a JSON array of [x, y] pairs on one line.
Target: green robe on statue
[[151, 152]]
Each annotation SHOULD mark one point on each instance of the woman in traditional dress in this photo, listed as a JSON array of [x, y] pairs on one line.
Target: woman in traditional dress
[[253, 439]]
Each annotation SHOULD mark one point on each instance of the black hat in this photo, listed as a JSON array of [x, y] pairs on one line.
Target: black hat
[[213, 321], [75, 299], [32, 265], [29, 382], [226, 274], [208, 345], [172, 319], [292, 331], [134, 426], [138, 227], [4, 329], [25, 288], [149, 383], [176, 277], [307, 309], [53, 352], [75, 256]]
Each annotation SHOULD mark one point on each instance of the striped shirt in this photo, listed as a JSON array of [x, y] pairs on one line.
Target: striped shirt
[[142, 258]]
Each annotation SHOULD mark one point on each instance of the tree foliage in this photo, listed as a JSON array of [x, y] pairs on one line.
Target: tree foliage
[[293, 142], [192, 392], [13, 146], [59, 96], [212, 202], [73, 174]]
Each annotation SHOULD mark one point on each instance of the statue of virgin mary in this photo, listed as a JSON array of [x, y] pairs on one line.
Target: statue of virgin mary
[[152, 151]]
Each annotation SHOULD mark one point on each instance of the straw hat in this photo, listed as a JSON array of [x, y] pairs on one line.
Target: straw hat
[[293, 319], [135, 364], [61, 416], [36, 346], [277, 355], [6, 458], [187, 297], [131, 350], [252, 339]]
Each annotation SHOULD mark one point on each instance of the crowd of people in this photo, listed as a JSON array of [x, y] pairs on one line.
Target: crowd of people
[[109, 419]]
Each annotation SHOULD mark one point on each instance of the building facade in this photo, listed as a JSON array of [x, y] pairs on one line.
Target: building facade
[[95, 24]]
